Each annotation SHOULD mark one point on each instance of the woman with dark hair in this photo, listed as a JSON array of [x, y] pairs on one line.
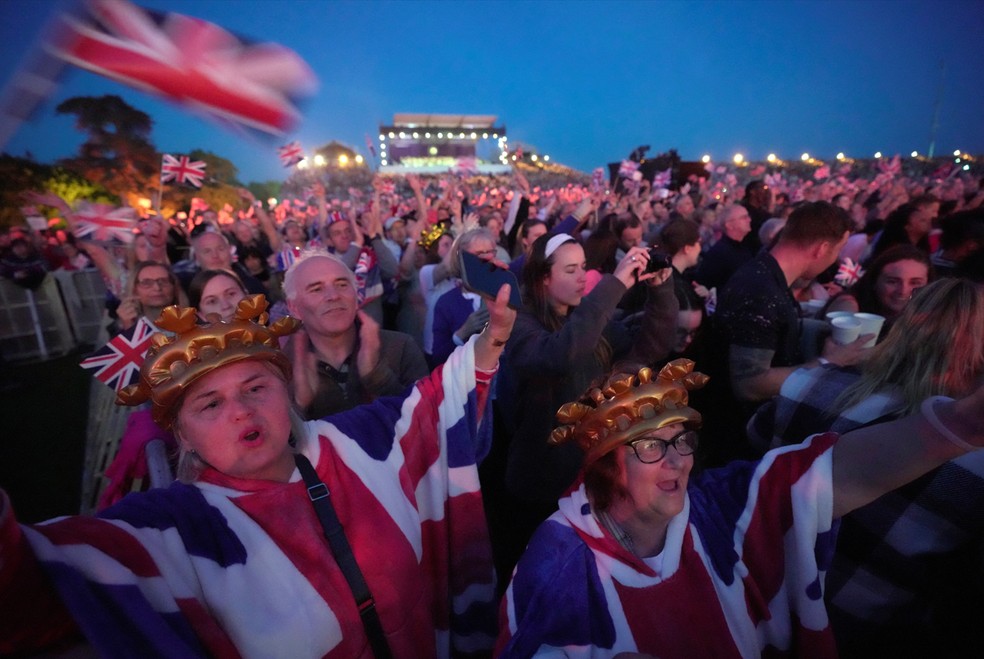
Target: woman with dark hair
[[909, 224], [216, 292], [888, 285], [563, 340]]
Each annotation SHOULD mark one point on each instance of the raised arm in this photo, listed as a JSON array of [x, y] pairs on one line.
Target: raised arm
[[489, 345], [871, 461], [266, 222]]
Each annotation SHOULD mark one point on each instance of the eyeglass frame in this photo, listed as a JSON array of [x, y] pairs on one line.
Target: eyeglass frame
[[160, 282], [674, 441]]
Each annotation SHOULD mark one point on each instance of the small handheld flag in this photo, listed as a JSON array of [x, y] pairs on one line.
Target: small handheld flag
[[118, 363], [291, 154], [104, 223], [182, 170]]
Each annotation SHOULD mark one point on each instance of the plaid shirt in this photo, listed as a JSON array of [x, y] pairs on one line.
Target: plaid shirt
[[899, 558]]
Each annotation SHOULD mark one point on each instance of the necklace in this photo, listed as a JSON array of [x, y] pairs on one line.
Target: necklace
[[621, 535]]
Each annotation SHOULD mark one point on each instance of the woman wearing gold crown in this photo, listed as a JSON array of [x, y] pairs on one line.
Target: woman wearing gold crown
[[242, 557], [643, 559]]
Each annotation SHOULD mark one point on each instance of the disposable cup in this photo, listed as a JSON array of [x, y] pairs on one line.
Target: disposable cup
[[871, 323], [830, 315], [845, 329], [811, 307]]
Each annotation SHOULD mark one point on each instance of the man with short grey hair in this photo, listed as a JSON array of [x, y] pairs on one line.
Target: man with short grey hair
[[341, 358], [730, 252]]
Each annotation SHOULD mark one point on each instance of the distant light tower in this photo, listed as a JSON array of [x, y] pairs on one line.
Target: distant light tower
[[936, 112]]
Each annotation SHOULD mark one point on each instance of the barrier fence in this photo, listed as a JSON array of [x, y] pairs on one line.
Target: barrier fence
[[66, 311]]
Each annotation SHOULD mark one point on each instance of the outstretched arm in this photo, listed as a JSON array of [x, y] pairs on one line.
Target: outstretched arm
[[871, 461], [492, 340]]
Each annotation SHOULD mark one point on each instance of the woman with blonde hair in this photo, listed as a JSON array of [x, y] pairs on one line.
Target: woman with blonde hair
[[896, 556]]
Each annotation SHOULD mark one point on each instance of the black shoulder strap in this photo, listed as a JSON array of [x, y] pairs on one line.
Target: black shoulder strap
[[340, 549]]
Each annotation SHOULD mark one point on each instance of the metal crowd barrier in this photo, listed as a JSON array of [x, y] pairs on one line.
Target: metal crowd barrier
[[64, 312]]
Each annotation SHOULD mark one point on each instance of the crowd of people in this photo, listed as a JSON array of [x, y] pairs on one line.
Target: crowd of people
[[666, 450]]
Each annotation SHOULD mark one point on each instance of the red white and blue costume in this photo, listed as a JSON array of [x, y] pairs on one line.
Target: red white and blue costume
[[230, 567], [741, 573]]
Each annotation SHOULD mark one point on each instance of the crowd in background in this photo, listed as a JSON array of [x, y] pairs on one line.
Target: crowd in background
[[745, 281]]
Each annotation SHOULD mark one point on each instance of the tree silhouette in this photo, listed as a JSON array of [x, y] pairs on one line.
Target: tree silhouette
[[117, 153]]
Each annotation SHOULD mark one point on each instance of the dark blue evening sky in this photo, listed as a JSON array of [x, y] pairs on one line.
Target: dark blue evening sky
[[585, 82]]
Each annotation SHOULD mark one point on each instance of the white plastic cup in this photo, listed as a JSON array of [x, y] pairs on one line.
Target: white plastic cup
[[830, 315], [845, 329], [810, 308], [871, 323]]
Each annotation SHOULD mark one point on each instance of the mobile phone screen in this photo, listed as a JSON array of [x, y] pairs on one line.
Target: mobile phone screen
[[486, 279]]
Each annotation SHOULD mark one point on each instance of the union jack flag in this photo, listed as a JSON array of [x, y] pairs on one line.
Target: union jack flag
[[662, 179], [104, 223], [118, 362], [466, 165], [182, 170], [187, 60], [291, 154], [370, 146], [597, 179], [892, 167], [387, 187], [628, 168], [848, 273]]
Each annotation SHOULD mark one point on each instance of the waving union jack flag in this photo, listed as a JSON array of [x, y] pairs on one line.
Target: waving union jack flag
[[662, 179], [597, 179], [182, 170], [848, 273], [118, 362], [465, 165], [892, 167], [187, 60], [628, 168], [291, 154], [104, 223]]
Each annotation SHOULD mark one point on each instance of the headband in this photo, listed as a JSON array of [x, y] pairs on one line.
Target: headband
[[555, 242]]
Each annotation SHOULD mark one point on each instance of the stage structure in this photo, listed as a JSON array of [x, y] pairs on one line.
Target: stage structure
[[435, 143]]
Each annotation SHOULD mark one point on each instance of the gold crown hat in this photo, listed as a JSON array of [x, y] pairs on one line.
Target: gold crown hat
[[173, 363], [430, 236], [629, 406]]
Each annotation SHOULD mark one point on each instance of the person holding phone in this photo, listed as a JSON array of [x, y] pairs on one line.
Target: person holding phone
[[562, 341], [460, 313]]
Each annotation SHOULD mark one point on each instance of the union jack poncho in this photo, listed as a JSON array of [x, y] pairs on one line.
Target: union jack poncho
[[368, 279], [741, 573], [230, 567]]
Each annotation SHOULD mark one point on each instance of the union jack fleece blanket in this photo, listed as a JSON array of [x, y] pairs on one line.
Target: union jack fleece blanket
[[229, 568], [741, 574]]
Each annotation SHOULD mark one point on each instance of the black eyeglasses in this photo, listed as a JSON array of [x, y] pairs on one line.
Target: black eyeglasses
[[163, 282], [653, 449]]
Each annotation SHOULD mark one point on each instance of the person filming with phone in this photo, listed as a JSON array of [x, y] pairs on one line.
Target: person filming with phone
[[460, 313], [562, 341]]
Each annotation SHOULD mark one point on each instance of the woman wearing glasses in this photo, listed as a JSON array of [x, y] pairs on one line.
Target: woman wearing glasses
[[460, 313], [151, 288], [644, 558]]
